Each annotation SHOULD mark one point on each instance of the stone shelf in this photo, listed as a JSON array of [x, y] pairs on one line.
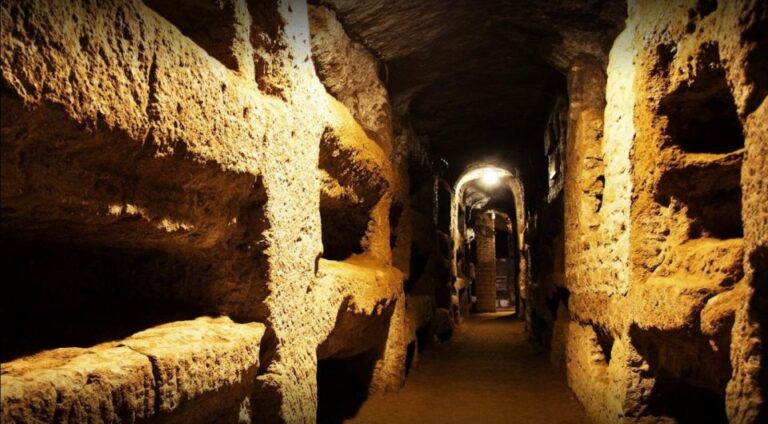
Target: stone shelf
[[151, 373]]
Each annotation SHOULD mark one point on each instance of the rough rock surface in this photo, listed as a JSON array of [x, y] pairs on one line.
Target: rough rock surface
[[660, 264], [350, 73], [194, 371], [195, 153], [279, 163], [479, 73]]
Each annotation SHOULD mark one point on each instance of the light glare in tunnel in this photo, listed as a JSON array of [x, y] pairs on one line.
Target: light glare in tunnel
[[490, 177]]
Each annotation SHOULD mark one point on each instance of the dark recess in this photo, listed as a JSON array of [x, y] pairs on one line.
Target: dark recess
[[702, 115], [78, 296], [342, 386]]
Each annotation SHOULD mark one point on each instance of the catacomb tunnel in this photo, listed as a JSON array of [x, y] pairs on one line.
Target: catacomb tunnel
[[384, 211]]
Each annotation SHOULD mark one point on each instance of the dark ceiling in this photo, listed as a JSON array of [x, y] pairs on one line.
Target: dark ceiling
[[477, 78]]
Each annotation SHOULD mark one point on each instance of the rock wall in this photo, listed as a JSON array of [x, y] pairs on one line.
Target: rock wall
[[547, 312], [186, 371], [485, 283], [191, 159], [664, 256], [228, 186]]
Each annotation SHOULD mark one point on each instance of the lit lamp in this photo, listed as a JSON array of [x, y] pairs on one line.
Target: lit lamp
[[490, 177]]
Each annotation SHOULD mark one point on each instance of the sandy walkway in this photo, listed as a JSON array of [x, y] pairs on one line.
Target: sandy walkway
[[488, 373]]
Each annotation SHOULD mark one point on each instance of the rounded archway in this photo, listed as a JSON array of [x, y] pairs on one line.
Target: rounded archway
[[473, 191]]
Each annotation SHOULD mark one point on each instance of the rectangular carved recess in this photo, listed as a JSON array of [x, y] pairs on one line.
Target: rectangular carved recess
[[689, 375], [710, 188], [703, 123], [73, 295], [101, 239], [343, 385], [350, 189]]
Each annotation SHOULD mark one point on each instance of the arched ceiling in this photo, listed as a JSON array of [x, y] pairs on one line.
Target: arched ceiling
[[477, 79]]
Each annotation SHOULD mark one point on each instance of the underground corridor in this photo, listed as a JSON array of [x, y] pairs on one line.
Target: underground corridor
[[384, 211]]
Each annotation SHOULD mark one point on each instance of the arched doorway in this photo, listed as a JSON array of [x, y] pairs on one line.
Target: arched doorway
[[488, 230]]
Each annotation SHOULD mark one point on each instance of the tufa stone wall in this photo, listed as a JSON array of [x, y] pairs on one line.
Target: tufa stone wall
[[205, 159], [664, 252]]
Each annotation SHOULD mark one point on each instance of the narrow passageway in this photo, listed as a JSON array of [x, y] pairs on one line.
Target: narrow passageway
[[324, 211], [487, 373]]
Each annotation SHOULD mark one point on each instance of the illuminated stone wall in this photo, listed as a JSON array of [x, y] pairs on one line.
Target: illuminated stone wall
[[220, 211], [665, 240], [156, 165]]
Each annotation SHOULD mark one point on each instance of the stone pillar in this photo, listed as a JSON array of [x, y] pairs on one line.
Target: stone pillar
[[485, 283]]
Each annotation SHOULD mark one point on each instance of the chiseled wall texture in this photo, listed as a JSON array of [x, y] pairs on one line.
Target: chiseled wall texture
[[666, 217], [125, 126], [257, 174]]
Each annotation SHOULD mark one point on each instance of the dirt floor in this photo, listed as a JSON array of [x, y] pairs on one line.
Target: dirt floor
[[488, 373]]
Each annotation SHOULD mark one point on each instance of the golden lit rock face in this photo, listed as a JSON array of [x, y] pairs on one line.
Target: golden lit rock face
[[672, 288], [234, 210], [350, 73], [128, 127], [162, 371], [447, 67]]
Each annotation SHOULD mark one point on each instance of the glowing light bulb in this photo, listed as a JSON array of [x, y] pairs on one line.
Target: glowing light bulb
[[490, 177]]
